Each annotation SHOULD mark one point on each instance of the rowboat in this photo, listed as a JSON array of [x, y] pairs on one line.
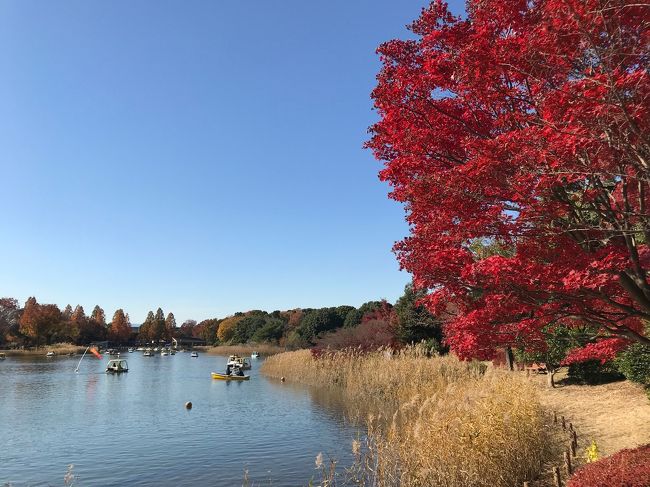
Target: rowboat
[[218, 376]]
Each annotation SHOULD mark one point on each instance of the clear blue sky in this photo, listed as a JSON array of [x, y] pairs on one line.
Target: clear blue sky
[[202, 156]]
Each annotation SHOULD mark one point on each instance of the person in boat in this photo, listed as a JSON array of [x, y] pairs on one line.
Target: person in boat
[[228, 369], [238, 371]]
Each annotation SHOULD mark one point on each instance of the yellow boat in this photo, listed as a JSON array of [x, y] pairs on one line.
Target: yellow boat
[[218, 376]]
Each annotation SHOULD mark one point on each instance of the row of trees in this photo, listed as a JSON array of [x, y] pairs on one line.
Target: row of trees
[[38, 324], [373, 324]]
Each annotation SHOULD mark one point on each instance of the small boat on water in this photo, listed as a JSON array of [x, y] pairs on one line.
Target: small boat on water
[[131, 350], [164, 352], [2, 356], [237, 361], [194, 354], [255, 355], [140, 349], [117, 366], [218, 376], [147, 353], [50, 354]]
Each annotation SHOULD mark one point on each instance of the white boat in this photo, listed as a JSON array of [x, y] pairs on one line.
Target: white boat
[[2, 356], [117, 366], [164, 352], [140, 349], [255, 355], [131, 350], [194, 354], [237, 361], [148, 353], [50, 354]]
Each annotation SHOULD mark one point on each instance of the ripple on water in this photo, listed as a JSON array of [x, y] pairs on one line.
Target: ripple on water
[[133, 429]]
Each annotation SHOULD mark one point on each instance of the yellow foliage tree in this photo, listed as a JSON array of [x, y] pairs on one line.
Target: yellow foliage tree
[[227, 328]]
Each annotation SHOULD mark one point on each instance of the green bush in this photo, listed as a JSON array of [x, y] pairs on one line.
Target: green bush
[[593, 372], [634, 363]]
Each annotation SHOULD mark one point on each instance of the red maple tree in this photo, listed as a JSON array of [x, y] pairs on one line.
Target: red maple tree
[[523, 126]]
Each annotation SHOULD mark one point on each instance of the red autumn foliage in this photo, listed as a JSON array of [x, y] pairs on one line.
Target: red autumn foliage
[[627, 468], [523, 125], [367, 336]]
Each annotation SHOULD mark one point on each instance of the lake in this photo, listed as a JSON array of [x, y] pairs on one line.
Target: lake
[[133, 428]]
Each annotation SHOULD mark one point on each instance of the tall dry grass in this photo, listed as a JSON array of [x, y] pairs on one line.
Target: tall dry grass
[[432, 421], [58, 348], [265, 349]]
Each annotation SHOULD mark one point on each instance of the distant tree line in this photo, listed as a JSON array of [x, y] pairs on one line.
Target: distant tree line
[[371, 325], [37, 324]]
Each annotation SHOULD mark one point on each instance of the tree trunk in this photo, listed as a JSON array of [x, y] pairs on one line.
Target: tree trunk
[[510, 361], [550, 373]]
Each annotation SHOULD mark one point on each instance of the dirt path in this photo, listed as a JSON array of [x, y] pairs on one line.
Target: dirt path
[[615, 415]]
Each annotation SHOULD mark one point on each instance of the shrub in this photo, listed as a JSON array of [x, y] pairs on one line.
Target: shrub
[[627, 468], [634, 363], [593, 372], [368, 336]]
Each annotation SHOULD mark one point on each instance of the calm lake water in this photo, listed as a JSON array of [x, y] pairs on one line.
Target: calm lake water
[[133, 429]]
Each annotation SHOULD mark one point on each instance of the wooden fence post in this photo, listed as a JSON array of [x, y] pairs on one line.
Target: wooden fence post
[[573, 449], [556, 477], [554, 417], [574, 439], [567, 464], [563, 423]]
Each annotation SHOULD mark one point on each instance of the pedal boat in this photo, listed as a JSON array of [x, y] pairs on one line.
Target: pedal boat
[[218, 376]]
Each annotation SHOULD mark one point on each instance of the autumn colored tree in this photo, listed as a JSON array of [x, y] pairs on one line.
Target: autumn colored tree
[[98, 315], [170, 326], [67, 312], [227, 328], [120, 329], [207, 330], [187, 328], [9, 319], [158, 327], [40, 321], [524, 124], [145, 333]]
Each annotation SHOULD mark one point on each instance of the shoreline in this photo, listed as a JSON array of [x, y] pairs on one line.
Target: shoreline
[[58, 349]]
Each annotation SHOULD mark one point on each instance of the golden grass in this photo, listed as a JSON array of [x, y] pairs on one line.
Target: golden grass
[[265, 349], [433, 421], [58, 348]]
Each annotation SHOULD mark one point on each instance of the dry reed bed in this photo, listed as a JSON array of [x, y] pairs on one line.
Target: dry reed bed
[[58, 348], [434, 421], [265, 349]]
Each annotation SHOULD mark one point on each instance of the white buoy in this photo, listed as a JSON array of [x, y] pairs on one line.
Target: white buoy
[[188, 405]]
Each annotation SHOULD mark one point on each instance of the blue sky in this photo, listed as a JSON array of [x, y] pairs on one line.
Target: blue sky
[[202, 156]]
